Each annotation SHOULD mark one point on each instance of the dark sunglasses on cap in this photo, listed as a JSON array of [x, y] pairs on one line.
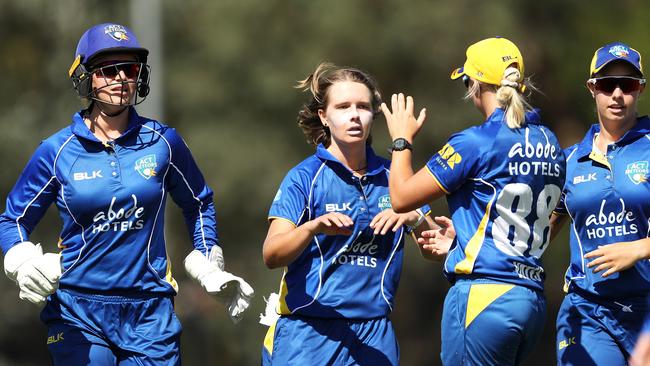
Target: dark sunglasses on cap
[[111, 69], [608, 84]]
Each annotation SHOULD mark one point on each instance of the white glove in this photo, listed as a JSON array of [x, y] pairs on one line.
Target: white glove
[[270, 315], [232, 291], [37, 275]]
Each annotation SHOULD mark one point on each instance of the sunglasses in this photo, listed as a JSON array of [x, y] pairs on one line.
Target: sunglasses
[[111, 69], [466, 81], [609, 83]]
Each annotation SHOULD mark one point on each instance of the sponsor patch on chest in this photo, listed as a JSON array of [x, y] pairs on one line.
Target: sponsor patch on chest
[[584, 178], [338, 207], [87, 175]]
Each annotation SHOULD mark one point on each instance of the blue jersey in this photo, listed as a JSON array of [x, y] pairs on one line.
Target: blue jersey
[[502, 185], [607, 200], [111, 200], [339, 276]]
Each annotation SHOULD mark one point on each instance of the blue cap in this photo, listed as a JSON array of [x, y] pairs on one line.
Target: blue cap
[[108, 38], [613, 52]]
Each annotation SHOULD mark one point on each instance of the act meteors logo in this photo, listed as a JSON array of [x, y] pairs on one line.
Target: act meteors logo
[[117, 32], [146, 166], [384, 202], [637, 171], [619, 51]]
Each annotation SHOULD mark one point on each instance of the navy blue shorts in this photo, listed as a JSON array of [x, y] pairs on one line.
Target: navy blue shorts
[[98, 330], [490, 323], [598, 333], [296, 340]]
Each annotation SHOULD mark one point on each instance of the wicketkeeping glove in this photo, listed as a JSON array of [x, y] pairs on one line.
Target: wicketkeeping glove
[[36, 274], [232, 291]]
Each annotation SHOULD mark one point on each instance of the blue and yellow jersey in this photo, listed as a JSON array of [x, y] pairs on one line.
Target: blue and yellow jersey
[[339, 276], [502, 185], [111, 200], [606, 195]]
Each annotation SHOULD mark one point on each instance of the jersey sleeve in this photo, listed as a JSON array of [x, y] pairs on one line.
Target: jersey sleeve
[[291, 200], [456, 161], [35, 190], [561, 209], [188, 189]]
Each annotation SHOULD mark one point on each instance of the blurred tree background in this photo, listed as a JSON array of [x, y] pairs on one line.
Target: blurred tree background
[[229, 68]]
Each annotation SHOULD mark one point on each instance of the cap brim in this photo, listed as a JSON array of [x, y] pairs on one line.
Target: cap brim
[[457, 73], [597, 70]]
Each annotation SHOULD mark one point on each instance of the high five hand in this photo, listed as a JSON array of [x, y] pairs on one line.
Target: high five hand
[[401, 121]]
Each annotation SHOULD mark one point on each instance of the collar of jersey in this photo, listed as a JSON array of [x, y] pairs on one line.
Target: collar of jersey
[[374, 164], [80, 129], [641, 128], [499, 115]]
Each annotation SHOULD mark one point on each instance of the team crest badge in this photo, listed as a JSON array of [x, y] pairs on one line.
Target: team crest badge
[[117, 32], [384, 202], [637, 172], [146, 166], [619, 51]]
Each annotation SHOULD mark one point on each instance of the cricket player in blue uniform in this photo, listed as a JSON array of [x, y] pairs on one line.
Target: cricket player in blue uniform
[[606, 198], [502, 179], [332, 227], [108, 293]]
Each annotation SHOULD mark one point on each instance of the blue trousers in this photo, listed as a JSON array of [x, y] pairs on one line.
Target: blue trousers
[[97, 330], [297, 340], [490, 323], [598, 332]]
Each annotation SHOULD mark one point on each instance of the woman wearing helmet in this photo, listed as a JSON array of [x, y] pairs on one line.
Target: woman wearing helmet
[[108, 294]]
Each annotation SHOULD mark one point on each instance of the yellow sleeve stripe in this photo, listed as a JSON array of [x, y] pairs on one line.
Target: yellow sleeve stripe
[[271, 218], [437, 181], [560, 213]]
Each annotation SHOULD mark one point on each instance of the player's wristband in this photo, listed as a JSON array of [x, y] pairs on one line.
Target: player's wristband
[[420, 220]]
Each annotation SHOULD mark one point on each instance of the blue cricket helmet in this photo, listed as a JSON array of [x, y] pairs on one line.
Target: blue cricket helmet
[[108, 38], [105, 39]]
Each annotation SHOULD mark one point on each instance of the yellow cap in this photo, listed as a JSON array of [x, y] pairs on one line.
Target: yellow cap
[[488, 59]]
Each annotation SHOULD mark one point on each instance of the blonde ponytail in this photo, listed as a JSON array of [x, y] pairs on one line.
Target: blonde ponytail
[[510, 98]]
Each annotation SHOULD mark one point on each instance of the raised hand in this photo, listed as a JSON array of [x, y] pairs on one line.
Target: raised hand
[[401, 120]]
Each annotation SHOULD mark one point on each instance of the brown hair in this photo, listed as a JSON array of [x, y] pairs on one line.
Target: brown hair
[[318, 84]]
